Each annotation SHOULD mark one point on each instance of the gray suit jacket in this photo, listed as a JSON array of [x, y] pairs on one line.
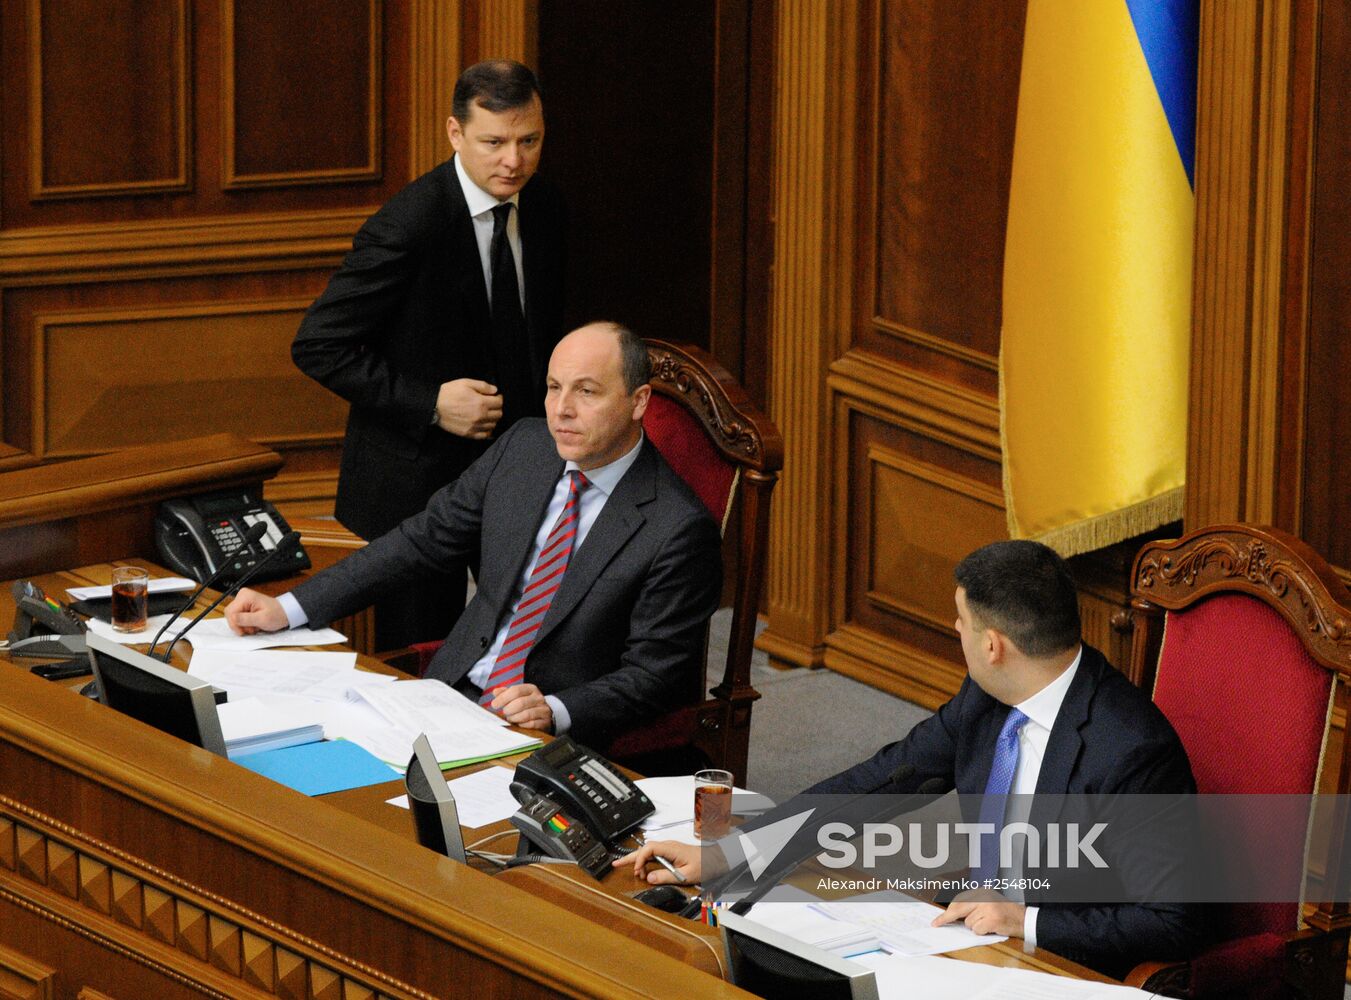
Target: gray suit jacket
[[622, 641]]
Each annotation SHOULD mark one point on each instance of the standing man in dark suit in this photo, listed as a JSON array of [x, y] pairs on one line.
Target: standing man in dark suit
[[438, 326], [600, 568], [1053, 717]]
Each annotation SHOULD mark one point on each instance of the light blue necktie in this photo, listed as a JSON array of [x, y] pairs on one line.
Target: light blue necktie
[[997, 789]]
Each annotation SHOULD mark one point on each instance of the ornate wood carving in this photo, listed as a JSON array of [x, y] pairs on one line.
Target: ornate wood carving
[[1174, 575], [715, 399], [56, 861]]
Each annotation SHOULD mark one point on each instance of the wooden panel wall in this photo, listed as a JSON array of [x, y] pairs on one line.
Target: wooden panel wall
[[179, 178], [890, 200]]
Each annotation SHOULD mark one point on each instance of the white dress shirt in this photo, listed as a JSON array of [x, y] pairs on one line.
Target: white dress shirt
[[1041, 711], [481, 205], [603, 481]]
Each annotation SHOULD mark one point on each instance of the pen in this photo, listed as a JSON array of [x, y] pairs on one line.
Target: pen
[[669, 867]]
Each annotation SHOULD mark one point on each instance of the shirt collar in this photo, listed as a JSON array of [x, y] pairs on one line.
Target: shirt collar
[[607, 477], [478, 200], [1044, 706]]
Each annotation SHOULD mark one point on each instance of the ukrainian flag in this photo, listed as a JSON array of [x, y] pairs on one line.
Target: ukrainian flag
[[1097, 271]]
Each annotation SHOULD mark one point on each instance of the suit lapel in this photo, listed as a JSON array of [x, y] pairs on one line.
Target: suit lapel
[[532, 492], [619, 519]]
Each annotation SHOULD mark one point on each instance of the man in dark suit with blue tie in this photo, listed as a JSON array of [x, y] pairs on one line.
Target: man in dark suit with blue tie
[[1039, 713], [599, 571], [438, 326]]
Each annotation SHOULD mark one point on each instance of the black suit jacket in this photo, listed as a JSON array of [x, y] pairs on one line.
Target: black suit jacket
[[1108, 739], [407, 311], [622, 641]]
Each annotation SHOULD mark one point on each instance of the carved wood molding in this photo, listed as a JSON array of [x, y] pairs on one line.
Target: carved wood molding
[[718, 402], [85, 253], [110, 897], [941, 345], [39, 189], [434, 64], [1255, 112], [18, 971], [231, 179], [1263, 562]]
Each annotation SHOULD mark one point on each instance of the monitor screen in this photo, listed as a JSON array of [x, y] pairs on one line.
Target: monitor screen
[[769, 963], [155, 693], [432, 804]]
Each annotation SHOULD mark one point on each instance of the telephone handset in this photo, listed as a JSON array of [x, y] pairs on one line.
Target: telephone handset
[[198, 535], [575, 805], [42, 626]]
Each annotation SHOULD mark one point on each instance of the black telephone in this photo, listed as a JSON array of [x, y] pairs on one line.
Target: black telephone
[[198, 535], [42, 626], [575, 804]]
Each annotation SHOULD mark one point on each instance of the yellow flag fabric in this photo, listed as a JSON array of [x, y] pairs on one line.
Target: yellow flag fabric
[[1097, 286]]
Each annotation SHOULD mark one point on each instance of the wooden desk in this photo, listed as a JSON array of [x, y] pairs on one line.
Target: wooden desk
[[134, 865]]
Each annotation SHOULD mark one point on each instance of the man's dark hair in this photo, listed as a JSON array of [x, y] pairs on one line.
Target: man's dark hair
[[633, 359], [497, 85], [1024, 590]]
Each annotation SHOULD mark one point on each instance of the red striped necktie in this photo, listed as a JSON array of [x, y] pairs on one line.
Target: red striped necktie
[[539, 592]]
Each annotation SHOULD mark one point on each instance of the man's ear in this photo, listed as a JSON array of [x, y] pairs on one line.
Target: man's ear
[[996, 645], [641, 396]]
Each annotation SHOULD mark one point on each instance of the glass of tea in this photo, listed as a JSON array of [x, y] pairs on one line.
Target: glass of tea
[[130, 585], [712, 804]]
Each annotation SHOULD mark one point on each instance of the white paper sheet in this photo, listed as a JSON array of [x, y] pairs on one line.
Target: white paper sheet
[[394, 745], [480, 798], [321, 676], [163, 585], [934, 978], [214, 633], [249, 717], [427, 706], [673, 798], [141, 638]]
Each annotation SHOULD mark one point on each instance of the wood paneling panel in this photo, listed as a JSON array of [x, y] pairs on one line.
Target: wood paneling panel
[[913, 507], [941, 156], [108, 380], [108, 108], [300, 107], [111, 113]]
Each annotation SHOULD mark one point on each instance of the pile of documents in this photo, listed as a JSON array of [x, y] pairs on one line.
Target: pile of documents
[[326, 691]]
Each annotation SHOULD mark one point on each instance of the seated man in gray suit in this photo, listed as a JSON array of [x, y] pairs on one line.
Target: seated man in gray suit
[[598, 571]]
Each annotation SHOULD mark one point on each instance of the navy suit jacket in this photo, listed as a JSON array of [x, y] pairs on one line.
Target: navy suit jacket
[[407, 311], [1108, 739], [623, 639]]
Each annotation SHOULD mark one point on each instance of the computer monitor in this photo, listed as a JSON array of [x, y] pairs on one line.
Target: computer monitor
[[432, 804], [155, 693], [771, 964]]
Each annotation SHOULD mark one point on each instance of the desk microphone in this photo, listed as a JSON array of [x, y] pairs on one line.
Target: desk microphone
[[255, 532], [287, 542]]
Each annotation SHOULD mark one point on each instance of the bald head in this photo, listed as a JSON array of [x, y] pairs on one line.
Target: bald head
[[594, 408]]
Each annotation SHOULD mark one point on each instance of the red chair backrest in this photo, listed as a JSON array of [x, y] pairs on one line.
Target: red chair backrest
[[1232, 675], [684, 444]]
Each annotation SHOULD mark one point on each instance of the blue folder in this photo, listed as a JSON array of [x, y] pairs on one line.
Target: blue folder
[[320, 768]]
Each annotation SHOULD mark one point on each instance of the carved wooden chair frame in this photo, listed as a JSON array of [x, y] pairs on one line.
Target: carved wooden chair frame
[[745, 436], [1287, 575]]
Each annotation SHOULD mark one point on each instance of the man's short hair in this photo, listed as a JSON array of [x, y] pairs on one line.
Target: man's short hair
[[633, 359], [497, 85], [1024, 590]]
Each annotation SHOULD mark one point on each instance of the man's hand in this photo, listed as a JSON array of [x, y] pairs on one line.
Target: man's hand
[[686, 858], [523, 705], [468, 408], [984, 912], [252, 612]]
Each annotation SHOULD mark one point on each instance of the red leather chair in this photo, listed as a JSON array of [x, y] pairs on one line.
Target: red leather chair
[[730, 454], [1241, 634]]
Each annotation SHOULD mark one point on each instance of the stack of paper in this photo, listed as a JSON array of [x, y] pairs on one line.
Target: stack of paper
[[461, 732], [251, 726]]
